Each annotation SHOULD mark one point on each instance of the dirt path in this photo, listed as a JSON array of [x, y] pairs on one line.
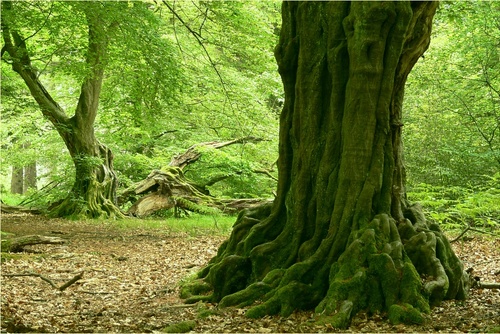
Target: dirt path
[[131, 277]]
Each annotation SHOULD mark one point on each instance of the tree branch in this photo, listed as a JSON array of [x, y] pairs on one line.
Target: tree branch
[[88, 102], [198, 38], [192, 154], [21, 63], [60, 288]]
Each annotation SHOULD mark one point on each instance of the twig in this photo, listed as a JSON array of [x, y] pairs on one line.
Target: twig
[[71, 281], [60, 288], [470, 228], [178, 306], [35, 275], [266, 172], [481, 231], [96, 292], [461, 234], [488, 285]]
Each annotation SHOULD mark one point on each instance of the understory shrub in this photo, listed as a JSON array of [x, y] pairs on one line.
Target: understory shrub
[[456, 207]]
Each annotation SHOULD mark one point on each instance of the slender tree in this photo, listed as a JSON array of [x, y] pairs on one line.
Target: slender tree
[[340, 236], [94, 191], [16, 181]]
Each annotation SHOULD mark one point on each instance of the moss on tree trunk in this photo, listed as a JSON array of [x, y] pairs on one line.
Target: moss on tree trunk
[[340, 236], [94, 192]]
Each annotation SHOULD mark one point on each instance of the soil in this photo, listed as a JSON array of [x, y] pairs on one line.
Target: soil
[[131, 282]]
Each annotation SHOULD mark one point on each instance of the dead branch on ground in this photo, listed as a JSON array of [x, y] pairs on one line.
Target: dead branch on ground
[[60, 288], [18, 243]]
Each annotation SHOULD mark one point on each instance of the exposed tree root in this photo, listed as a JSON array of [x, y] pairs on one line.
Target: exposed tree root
[[377, 271], [94, 203]]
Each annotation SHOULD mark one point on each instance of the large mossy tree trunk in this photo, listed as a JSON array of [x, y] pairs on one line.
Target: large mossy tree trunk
[[94, 191], [340, 236]]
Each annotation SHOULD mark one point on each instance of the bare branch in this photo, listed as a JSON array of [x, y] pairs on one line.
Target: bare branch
[[60, 288], [192, 154], [198, 38]]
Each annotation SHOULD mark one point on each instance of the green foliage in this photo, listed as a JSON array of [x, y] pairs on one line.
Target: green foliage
[[452, 114], [235, 167], [456, 207], [452, 100], [162, 91]]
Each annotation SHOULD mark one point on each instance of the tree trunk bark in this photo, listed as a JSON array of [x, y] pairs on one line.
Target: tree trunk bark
[[94, 191], [16, 181], [93, 194], [30, 176], [340, 236]]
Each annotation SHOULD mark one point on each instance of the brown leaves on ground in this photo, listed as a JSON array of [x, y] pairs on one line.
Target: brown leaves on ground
[[131, 284]]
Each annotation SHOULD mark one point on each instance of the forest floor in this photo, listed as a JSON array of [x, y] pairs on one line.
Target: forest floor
[[131, 284]]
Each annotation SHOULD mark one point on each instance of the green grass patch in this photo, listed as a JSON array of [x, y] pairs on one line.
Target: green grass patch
[[11, 199], [194, 225]]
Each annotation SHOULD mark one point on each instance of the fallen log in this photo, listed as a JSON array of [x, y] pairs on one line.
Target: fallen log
[[18, 243], [4, 208], [170, 189]]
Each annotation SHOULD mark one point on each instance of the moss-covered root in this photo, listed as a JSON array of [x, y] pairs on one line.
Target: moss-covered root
[[285, 299], [230, 275], [194, 288], [433, 257], [373, 274], [247, 296], [180, 327], [94, 207], [404, 313]]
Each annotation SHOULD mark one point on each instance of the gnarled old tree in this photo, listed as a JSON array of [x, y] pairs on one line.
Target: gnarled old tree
[[94, 191], [340, 236]]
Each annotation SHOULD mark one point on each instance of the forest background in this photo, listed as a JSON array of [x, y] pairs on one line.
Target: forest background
[[199, 72]]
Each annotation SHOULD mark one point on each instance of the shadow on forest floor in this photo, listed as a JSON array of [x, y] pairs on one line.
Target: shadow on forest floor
[[131, 276]]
